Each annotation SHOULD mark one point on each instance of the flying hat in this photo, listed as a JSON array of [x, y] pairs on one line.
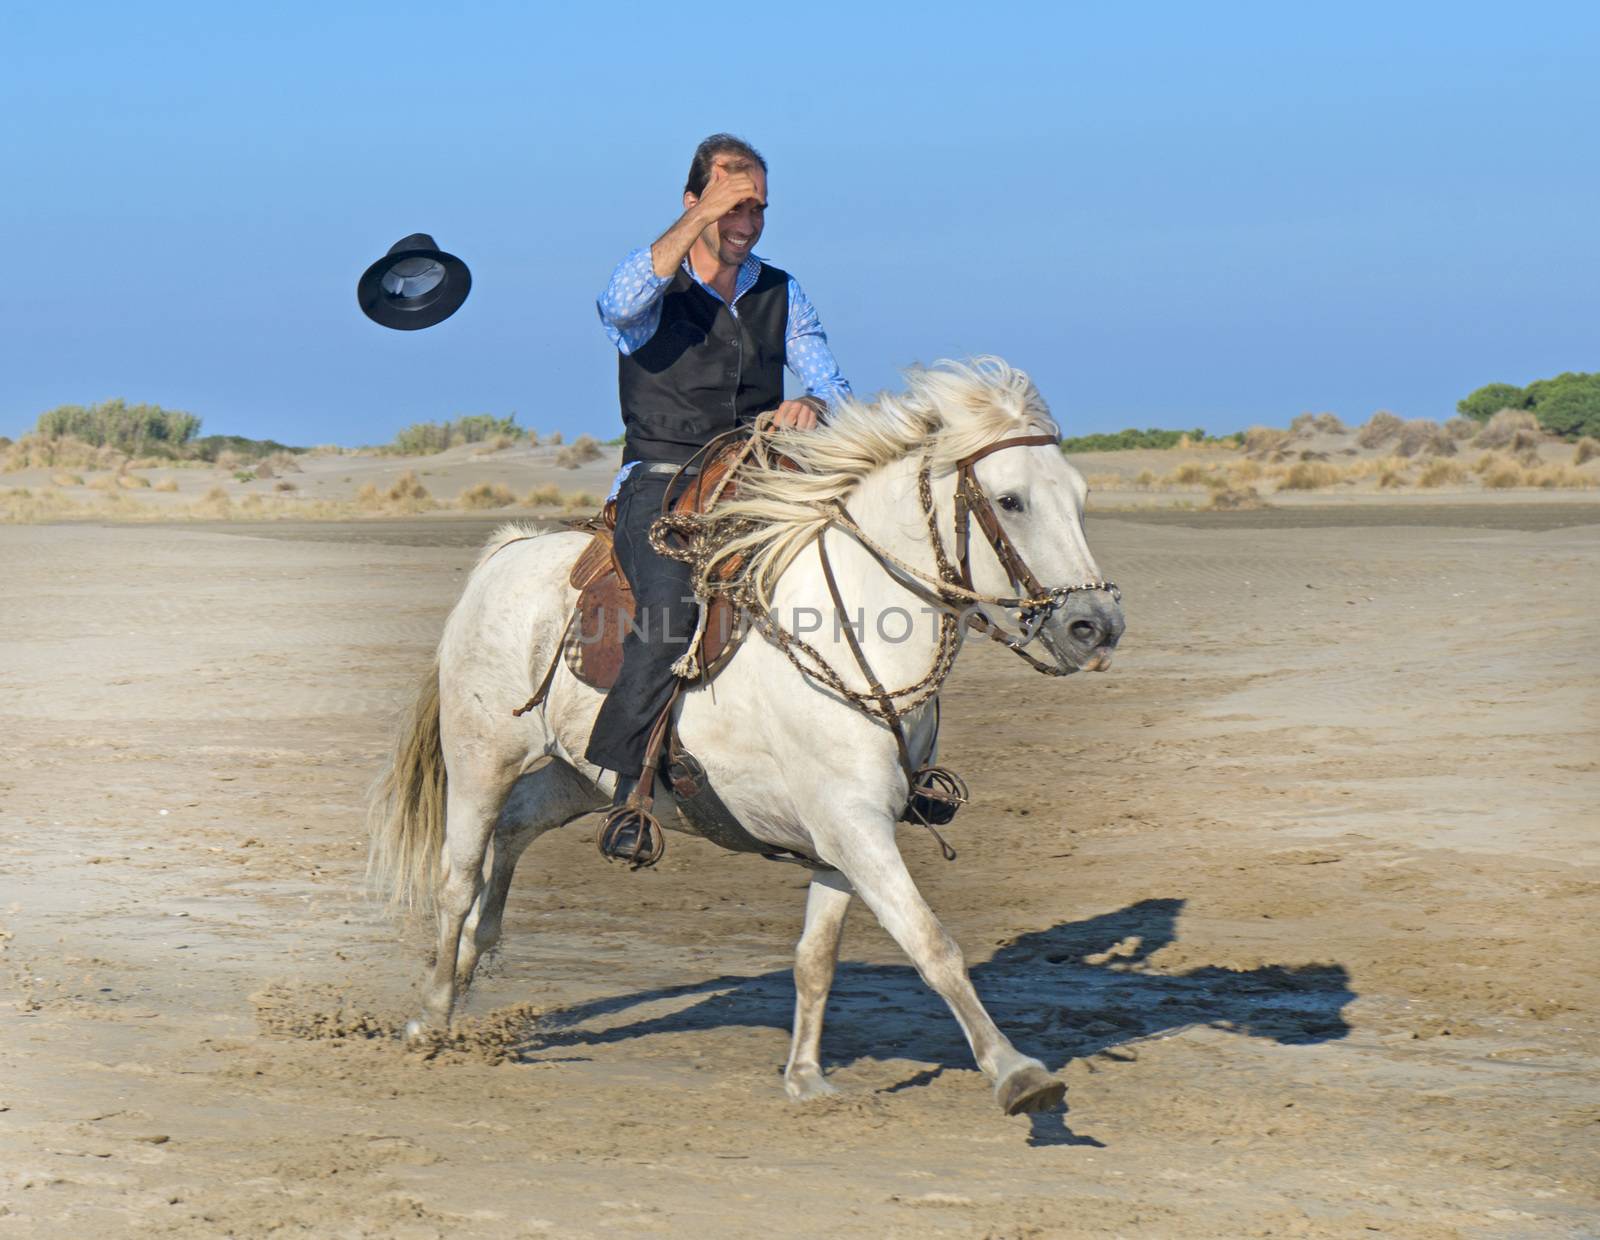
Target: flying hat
[[414, 285]]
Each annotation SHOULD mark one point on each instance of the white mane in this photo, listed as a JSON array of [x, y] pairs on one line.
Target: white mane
[[947, 411]]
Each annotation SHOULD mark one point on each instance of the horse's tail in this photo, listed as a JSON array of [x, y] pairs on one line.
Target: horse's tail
[[406, 818]]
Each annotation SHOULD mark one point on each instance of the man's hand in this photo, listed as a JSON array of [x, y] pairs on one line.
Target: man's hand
[[725, 191], [800, 414]]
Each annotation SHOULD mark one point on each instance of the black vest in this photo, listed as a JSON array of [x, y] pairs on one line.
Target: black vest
[[704, 371]]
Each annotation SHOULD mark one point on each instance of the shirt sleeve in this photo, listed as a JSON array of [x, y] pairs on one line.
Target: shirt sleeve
[[630, 308], [807, 351]]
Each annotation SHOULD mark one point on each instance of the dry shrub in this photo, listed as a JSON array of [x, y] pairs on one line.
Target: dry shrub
[[283, 484], [369, 497], [168, 485], [1516, 429], [555, 440], [406, 487], [1234, 499], [1562, 477], [580, 451], [1310, 476], [284, 463], [229, 460], [486, 495], [1461, 428], [1190, 474], [547, 496], [1437, 473], [214, 503], [21, 505], [76, 480], [1330, 424], [1588, 448], [1310, 455], [1372, 467], [1393, 476], [103, 482], [1498, 471], [581, 501], [1245, 471], [533, 439], [1146, 478], [1303, 424], [132, 482], [36, 451], [1259, 440], [325, 449], [1422, 436], [265, 471], [1379, 429], [1106, 482]]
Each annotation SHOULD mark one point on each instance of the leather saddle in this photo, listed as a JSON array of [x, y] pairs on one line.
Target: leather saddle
[[605, 611]]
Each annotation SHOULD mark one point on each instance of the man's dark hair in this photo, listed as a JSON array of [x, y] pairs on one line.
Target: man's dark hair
[[740, 154]]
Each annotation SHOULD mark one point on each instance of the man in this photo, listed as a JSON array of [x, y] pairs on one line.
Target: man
[[703, 329]]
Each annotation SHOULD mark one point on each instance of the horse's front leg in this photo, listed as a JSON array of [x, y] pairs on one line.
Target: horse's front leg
[[827, 902], [865, 852]]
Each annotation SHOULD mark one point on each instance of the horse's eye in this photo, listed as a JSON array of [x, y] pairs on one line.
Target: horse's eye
[[1011, 503]]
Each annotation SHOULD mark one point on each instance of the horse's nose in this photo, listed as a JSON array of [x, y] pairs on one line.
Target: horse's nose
[[1094, 619], [1088, 632]]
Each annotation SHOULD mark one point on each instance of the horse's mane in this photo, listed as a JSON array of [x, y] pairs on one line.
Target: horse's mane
[[947, 411]]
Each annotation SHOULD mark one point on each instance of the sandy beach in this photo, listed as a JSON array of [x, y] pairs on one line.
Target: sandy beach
[[1300, 899]]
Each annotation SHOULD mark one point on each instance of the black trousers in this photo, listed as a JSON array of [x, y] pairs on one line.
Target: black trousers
[[664, 618]]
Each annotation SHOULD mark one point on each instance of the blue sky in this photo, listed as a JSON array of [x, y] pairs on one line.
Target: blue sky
[[1171, 214]]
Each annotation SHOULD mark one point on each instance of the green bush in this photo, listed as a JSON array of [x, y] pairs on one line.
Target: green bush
[[1117, 441], [1489, 400], [210, 447], [138, 430], [1567, 405], [426, 438]]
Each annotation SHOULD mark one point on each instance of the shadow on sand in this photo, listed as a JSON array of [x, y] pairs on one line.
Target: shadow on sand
[[1074, 991]]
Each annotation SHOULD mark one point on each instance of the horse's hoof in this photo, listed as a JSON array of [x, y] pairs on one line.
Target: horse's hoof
[[416, 1033], [808, 1086], [1029, 1088]]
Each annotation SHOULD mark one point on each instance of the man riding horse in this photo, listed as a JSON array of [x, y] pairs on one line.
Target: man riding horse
[[703, 329]]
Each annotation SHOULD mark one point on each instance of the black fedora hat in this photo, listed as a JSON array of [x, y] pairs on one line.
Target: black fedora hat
[[414, 285]]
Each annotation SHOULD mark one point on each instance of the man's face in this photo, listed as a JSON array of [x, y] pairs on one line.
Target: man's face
[[734, 236]]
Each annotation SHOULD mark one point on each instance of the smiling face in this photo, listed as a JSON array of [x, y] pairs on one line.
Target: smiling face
[[732, 238]]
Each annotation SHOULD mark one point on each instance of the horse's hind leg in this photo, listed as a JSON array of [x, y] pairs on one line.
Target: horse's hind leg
[[547, 797], [872, 862], [815, 957], [472, 806]]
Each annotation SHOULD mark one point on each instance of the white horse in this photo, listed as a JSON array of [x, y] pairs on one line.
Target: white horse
[[799, 766]]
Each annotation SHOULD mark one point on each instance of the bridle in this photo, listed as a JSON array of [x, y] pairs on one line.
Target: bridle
[[1034, 603]]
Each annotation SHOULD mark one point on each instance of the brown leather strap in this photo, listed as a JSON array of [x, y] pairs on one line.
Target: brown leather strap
[[885, 702], [550, 672], [1016, 441]]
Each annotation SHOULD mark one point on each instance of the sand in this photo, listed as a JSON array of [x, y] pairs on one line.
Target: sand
[[1300, 899]]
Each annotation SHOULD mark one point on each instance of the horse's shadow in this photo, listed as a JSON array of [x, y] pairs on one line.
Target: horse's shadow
[[1077, 990]]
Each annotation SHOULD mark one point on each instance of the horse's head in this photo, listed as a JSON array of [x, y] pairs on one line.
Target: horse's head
[[1036, 498]]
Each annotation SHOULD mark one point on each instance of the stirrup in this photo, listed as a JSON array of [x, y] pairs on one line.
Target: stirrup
[[633, 834], [936, 795]]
